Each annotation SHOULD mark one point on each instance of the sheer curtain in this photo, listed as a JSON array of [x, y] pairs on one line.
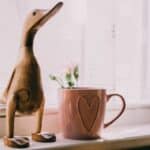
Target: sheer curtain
[[146, 52], [9, 40], [59, 42], [107, 38], [130, 48], [116, 51]]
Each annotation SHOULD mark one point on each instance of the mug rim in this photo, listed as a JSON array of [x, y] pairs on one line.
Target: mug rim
[[83, 89]]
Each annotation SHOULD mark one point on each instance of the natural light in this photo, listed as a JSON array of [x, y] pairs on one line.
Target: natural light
[[109, 42], [100, 48]]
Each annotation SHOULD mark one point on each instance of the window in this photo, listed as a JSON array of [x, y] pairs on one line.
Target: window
[[117, 49], [108, 38]]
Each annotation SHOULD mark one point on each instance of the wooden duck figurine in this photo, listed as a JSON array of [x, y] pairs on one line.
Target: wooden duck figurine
[[24, 92]]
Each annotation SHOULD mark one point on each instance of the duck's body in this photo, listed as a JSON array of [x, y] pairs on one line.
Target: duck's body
[[24, 91], [26, 85]]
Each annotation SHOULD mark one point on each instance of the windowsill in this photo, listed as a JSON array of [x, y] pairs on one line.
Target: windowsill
[[133, 115], [129, 130], [113, 138]]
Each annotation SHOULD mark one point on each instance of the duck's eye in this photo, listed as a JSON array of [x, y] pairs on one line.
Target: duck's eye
[[34, 13]]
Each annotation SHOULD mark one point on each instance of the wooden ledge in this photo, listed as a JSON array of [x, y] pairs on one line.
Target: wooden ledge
[[113, 139]]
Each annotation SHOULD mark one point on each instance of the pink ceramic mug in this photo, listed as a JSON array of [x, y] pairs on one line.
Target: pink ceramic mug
[[82, 112]]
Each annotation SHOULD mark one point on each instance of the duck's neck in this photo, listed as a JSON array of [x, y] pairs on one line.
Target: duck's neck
[[27, 42]]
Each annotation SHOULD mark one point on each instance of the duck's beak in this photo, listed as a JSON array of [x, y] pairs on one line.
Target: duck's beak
[[47, 14]]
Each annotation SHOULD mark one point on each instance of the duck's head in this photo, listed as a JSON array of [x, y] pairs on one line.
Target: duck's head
[[37, 18]]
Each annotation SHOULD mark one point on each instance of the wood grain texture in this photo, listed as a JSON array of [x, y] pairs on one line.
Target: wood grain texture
[[24, 92]]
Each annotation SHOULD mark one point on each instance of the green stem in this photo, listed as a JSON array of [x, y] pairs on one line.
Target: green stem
[[61, 84]]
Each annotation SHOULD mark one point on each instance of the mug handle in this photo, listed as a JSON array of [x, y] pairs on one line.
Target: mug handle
[[121, 111]]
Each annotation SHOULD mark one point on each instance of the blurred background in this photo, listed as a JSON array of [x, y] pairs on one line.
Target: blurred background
[[109, 39]]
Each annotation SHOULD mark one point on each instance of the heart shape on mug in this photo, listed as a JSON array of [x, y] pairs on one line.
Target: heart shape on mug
[[88, 110]]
